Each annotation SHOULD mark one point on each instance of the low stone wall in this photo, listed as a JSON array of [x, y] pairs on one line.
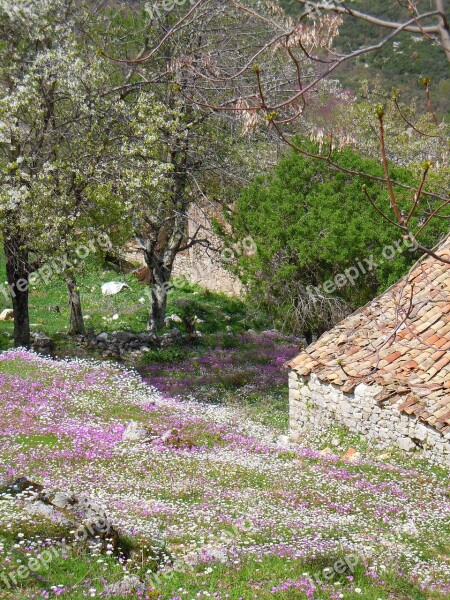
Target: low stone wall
[[315, 405]]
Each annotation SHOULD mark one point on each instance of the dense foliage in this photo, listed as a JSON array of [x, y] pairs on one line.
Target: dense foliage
[[311, 224]]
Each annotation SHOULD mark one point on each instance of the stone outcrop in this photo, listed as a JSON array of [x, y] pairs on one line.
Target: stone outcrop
[[78, 512]]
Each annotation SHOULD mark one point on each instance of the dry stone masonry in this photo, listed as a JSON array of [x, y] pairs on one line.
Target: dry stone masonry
[[202, 266], [314, 406]]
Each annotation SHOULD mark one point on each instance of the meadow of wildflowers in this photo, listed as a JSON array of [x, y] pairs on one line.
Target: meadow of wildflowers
[[240, 515], [244, 370]]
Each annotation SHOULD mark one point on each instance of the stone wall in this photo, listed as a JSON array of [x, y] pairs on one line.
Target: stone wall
[[315, 405], [198, 264], [206, 269], [205, 266]]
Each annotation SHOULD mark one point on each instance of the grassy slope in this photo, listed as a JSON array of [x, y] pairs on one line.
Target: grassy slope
[[226, 366], [255, 519], [219, 313]]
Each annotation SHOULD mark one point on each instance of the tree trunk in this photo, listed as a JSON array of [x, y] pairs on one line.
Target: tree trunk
[[159, 289], [158, 307], [17, 271], [163, 246], [76, 314]]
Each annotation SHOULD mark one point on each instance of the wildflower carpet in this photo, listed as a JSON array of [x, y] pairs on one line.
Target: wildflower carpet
[[217, 509]]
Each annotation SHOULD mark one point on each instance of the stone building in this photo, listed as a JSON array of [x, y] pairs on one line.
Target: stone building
[[384, 371]]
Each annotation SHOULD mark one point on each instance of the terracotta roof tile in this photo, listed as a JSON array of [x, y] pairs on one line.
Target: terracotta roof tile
[[400, 340]]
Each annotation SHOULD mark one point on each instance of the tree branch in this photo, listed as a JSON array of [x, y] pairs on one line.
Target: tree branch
[[345, 10]]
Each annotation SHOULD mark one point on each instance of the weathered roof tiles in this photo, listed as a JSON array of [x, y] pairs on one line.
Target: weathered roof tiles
[[400, 340]]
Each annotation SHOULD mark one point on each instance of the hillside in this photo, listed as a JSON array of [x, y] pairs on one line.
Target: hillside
[[162, 438], [400, 64], [209, 498]]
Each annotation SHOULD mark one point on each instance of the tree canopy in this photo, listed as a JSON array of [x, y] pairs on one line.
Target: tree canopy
[[311, 225]]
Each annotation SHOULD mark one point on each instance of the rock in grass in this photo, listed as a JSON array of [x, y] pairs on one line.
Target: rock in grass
[[283, 440], [136, 432], [43, 344], [326, 452], [126, 586], [384, 456], [7, 315], [406, 444], [102, 337], [111, 288], [77, 512], [351, 455]]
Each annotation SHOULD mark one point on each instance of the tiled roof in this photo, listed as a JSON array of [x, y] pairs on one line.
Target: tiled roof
[[400, 340]]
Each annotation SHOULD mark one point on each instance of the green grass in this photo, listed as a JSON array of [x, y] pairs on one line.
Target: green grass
[[31, 441], [264, 577], [219, 313], [244, 371], [76, 567], [221, 321], [58, 565]]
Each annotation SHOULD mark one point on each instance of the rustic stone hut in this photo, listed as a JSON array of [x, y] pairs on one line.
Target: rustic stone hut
[[384, 371]]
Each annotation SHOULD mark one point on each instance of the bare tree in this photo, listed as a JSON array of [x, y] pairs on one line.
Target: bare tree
[[202, 150], [282, 98], [439, 31]]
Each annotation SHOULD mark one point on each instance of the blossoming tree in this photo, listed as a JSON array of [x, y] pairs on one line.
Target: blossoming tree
[[73, 154]]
